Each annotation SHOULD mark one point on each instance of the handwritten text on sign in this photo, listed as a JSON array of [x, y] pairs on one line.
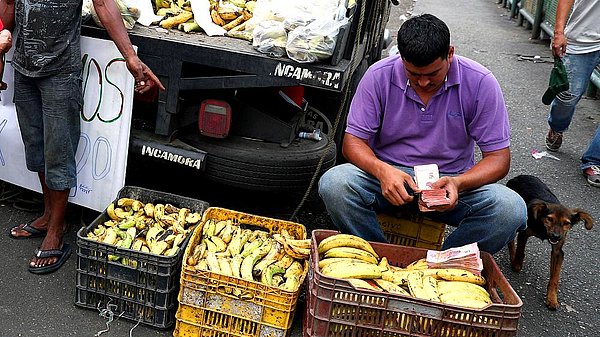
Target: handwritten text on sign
[[105, 122]]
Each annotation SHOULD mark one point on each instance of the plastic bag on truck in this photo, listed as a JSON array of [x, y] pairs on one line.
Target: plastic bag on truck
[[129, 12], [316, 41], [302, 13], [266, 10], [270, 37]]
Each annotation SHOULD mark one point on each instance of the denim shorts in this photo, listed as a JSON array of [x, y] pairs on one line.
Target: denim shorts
[[48, 110]]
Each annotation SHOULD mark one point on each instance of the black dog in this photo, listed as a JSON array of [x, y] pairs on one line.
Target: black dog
[[548, 220]]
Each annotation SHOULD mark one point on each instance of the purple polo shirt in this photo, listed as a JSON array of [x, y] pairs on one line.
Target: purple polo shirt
[[468, 109]]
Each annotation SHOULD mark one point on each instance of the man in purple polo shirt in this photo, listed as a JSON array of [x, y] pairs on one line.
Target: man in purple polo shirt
[[428, 106]]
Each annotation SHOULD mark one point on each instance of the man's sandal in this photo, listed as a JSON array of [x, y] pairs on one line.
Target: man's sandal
[[33, 232], [62, 255]]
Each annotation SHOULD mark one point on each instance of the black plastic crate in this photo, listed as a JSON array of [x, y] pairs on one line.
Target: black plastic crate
[[129, 291], [149, 288], [150, 315]]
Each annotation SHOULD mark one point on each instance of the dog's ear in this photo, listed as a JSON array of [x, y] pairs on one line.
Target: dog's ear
[[538, 208], [581, 215]]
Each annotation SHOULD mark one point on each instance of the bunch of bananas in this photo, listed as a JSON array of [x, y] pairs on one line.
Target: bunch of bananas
[[273, 259], [229, 14], [150, 228], [354, 259]]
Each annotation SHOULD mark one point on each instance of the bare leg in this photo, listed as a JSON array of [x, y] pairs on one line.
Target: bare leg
[[40, 223], [56, 224]]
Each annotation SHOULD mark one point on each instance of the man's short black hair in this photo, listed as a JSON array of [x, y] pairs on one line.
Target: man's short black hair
[[423, 39]]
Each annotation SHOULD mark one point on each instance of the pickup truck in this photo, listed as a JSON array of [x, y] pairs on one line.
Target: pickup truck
[[269, 102]]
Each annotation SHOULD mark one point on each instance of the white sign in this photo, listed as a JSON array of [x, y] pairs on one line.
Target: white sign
[[105, 122]]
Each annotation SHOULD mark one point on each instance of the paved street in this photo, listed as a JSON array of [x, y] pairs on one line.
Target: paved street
[[33, 306]]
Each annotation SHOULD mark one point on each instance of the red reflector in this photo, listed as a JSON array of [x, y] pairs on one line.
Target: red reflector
[[214, 118]]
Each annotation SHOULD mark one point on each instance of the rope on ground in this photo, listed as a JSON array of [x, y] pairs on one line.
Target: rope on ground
[[109, 315]]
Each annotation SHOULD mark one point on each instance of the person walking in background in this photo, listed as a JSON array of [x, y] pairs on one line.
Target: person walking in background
[[578, 44], [48, 99], [426, 106]]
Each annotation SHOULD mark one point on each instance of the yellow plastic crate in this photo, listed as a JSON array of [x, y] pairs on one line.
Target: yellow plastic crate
[[212, 304], [412, 229]]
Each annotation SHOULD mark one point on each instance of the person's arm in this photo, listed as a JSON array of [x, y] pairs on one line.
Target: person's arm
[[392, 180], [492, 167], [559, 41], [7, 13], [111, 19]]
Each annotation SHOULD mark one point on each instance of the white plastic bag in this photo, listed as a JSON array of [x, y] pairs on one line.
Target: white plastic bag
[[270, 38], [314, 42]]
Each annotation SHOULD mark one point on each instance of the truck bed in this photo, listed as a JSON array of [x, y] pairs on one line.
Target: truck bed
[[166, 50]]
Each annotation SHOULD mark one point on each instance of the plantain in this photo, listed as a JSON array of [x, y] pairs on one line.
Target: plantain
[[391, 288], [350, 252], [193, 218], [345, 240], [266, 275], [225, 267], [213, 263], [455, 274], [236, 262], [418, 264], [149, 209], [274, 255], [251, 246], [221, 246], [110, 210], [352, 269], [216, 18]]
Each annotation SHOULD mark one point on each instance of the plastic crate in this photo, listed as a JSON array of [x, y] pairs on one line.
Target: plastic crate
[[412, 229], [208, 305], [334, 308], [145, 293]]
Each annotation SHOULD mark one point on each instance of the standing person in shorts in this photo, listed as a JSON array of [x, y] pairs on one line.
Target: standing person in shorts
[[48, 98]]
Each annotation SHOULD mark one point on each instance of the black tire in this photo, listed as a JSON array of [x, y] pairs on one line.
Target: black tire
[[263, 166]]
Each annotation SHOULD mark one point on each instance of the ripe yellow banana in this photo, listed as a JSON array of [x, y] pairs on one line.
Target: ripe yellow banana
[[236, 264], [221, 246], [418, 264], [110, 210], [213, 263], [266, 275], [149, 209], [464, 301], [345, 240], [302, 244], [285, 262], [424, 287], [350, 252], [251, 246], [220, 225], [446, 287], [353, 269], [227, 233], [274, 255], [247, 266], [455, 274], [294, 270], [159, 211], [192, 218], [225, 266], [391, 287], [327, 261]]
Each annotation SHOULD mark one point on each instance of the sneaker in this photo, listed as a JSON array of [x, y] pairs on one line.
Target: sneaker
[[593, 175], [554, 140]]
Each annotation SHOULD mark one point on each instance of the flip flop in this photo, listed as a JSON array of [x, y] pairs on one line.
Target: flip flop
[[33, 232], [62, 254]]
